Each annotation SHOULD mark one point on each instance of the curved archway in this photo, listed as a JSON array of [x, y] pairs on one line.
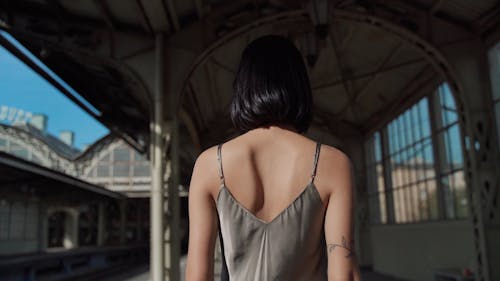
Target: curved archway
[[62, 228], [426, 50]]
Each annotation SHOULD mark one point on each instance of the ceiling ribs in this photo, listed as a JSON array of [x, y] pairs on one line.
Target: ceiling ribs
[[423, 10], [106, 13], [144, 18], [221, 65], [197, 114], [368, 74], [374, 78], [173, 15], [423, 78], [342, 72]]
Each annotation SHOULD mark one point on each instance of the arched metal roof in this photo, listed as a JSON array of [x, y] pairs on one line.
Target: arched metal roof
[[105, 51]]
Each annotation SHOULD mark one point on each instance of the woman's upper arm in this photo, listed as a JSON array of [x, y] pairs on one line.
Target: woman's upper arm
[[202, 220], [339, 223]]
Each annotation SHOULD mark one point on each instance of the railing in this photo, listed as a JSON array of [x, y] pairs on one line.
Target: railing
[[71, 264]]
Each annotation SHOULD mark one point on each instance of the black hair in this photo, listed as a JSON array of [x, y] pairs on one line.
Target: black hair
[[271, 86]]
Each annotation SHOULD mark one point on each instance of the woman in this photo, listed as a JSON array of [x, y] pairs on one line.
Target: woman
[[281, 201]]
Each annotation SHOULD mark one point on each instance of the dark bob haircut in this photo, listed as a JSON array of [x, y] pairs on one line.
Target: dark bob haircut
[[271, 86]]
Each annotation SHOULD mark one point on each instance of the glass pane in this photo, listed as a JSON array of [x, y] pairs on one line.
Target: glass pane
[[433, 202], [408, 204], [140, 157], [103, 170], [447, 102], [455, 146], [449, 203], [382, 206], [401, 133], [429, 159], [396, 171], [416, 209], [416, 126], [424, 117], [380, 177], [122, 154], [397, 205], [141, 170], [461, 198], [121, 170], [423, 198]]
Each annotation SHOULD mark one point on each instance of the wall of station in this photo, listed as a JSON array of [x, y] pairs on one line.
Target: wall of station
[[415, 251]]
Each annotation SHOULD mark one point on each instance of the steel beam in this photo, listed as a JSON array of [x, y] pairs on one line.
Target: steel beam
[[157, 263], [173, 235]]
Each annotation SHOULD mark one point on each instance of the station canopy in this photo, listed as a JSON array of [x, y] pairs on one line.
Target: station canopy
[[360, 73]]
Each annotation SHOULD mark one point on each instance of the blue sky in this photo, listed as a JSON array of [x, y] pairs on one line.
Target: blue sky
[[22, 88]]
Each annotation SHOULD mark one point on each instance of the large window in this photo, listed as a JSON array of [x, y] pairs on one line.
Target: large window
[[376, 185], [415, 164]]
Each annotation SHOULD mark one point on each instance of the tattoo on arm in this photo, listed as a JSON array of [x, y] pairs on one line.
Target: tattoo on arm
[[344, 245]]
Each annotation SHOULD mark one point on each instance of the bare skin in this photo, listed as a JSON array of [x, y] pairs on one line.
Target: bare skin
[[266, 169]]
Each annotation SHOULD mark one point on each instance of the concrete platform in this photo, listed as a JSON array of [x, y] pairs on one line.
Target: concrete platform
[[142, 274]]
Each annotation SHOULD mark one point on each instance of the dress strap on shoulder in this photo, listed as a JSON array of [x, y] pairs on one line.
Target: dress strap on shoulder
[[219, 160], [315, 164]]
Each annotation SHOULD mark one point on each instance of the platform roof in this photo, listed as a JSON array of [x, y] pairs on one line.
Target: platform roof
[[105, 51], [18, 175]]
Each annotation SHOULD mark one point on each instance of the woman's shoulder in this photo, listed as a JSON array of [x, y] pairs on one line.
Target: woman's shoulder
[[334, 168], [205, 172]]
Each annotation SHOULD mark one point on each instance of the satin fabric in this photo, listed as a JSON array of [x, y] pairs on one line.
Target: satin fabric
[[290, 247]]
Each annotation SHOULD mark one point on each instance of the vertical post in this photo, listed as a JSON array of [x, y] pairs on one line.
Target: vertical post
[[173, 202], [101, 213], [157, 196]]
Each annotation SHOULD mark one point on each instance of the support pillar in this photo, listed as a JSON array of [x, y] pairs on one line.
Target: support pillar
[[172, 237], [469, 60], [157, 262]]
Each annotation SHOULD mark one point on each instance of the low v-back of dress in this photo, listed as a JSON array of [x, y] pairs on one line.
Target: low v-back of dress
[[291, 246]]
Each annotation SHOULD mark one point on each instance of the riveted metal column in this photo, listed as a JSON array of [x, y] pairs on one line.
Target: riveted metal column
[[157, 147], [173, 235]]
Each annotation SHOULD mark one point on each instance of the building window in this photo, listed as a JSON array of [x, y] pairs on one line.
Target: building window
[[452, 179], [376, 185], [415, 162], [494, 55]]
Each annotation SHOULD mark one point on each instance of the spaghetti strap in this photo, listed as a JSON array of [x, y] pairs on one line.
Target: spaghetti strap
[[315, 164], [219, 159]]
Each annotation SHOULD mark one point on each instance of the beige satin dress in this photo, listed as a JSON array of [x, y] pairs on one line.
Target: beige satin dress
[[291, 247]]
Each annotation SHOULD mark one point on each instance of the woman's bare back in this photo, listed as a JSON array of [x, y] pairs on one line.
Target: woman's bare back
[[267, 168]]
